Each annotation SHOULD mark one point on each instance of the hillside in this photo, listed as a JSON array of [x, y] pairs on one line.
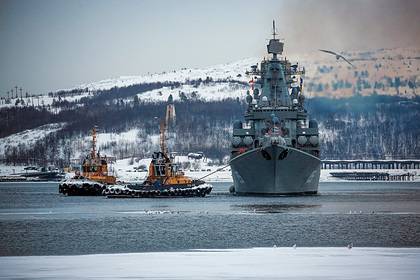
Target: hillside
[[370, 111]]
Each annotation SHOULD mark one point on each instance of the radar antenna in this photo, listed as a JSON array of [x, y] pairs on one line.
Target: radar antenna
[[274, 46]]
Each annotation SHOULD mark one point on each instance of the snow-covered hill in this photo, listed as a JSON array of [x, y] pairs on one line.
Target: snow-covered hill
[[382, 71], [233, 71], [208, 92], [28, 137]]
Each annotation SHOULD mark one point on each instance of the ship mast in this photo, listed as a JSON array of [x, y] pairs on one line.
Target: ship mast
[[163, 147], [93, 152], [169, 118], [274, 30]]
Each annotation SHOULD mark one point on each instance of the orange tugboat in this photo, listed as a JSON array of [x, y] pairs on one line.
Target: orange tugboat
[[95, 166], [165, 177], [95, 174]]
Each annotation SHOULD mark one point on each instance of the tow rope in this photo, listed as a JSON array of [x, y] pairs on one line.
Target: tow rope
[[217, 170]]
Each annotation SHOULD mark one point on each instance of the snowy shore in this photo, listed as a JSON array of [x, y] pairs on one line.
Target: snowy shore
[[125, 171], [253, 263]]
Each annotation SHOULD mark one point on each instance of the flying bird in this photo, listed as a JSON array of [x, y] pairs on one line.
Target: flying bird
[[337, 56]]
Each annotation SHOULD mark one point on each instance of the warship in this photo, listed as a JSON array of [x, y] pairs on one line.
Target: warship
[[275, 150]]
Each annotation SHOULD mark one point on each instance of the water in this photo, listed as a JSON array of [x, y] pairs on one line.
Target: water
[[36, 220]]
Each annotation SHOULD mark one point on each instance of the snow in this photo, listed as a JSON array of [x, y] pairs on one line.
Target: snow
[[200, 168], [6, 170], [327, 135], [126, 172], [121, 138], [44, 100], [252, 263], [29, 137], [207, 92], [234, 71], [380, 64], [125, 169], [217, 72]]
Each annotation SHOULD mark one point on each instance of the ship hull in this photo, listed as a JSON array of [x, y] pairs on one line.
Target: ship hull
[[275, 170]]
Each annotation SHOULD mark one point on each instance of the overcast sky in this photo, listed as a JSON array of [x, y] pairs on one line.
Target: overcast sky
[[52, 44]]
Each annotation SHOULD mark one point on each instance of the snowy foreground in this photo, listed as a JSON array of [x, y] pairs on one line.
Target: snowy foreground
[[256, 263]]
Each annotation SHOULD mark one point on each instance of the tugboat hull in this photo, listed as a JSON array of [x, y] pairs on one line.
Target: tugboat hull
[[140, 191], [275, 170], [80, 187]]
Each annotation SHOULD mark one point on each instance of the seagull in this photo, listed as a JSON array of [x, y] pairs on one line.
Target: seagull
[[338, 56], [350, 246]]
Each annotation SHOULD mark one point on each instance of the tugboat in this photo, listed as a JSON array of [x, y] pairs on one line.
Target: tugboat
[[165, 177], [275, 151], [95, 175]]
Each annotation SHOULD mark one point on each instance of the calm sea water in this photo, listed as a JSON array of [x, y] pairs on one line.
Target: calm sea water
[[36, 220]]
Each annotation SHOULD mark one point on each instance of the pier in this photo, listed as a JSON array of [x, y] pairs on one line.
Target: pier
[[373, 176], [371, 164]]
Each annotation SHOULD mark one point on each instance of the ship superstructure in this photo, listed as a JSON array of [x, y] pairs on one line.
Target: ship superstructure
[[275, 150], [95, 166]]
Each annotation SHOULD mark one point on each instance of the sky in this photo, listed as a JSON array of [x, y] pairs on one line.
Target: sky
[[46, 45]]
